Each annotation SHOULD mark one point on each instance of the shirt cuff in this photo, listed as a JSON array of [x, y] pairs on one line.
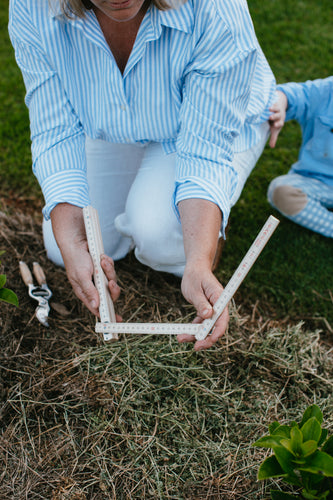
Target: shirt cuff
[[69, 186]]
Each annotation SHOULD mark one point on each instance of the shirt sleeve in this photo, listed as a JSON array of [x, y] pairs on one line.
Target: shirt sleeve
[[298, 99], [306, 99], [215, 99], [58, 140]]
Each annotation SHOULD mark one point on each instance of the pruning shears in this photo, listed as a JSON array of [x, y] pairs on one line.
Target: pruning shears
[[40, 292]]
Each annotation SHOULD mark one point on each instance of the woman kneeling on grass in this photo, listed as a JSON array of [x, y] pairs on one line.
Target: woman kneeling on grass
[[152, 112]]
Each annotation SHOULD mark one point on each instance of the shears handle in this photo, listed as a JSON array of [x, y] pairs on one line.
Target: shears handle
[[39, 273], [25, 273]]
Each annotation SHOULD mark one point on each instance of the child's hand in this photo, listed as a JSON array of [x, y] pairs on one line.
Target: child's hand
[[278, 117]]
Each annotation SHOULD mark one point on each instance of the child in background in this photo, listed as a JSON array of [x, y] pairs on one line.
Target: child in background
[[305, 194]]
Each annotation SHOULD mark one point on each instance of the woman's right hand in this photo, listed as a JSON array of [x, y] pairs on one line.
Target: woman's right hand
[[69, 231]]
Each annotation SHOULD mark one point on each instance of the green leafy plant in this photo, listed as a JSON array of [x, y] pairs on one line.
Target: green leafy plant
[[6, 295], [303, 457]]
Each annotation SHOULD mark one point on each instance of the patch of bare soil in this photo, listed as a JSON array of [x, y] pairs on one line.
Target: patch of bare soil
[[143, 417], [38, 361]]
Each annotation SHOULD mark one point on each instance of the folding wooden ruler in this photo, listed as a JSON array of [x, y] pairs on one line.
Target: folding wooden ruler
[[107, 324]]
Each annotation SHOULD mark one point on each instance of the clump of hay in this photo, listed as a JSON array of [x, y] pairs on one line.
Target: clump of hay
[[144, 417]]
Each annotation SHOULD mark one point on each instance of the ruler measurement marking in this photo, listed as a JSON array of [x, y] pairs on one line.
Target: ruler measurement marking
[[149, 328], [96, 249], [111, 329], [239, 275]]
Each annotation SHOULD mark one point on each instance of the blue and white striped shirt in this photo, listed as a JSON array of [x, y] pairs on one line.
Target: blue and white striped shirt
[[196, 81]]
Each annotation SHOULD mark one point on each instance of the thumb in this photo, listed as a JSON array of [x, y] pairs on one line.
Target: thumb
[[85, 291], [91, 297], [205, 297], [204, 309]]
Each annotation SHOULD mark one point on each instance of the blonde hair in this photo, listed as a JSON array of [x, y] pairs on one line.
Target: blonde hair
[[77, 8]]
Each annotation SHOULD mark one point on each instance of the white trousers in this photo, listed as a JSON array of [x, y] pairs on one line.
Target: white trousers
[[132, 188]]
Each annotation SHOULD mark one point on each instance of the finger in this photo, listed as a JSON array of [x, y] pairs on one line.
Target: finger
[[204, 301], [184, 337], [107, 265], [204, 309], [114, 289], [273, 118], [274, 108], [218, 332], [86, 292], [274, 136]]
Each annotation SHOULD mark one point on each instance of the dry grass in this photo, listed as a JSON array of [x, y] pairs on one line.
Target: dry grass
[[143, 417]]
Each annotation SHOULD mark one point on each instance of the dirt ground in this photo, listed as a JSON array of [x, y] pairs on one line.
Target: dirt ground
[[38, 360], [79, 419]]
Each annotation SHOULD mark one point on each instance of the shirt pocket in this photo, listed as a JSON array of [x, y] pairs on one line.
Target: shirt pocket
[[322, 141]]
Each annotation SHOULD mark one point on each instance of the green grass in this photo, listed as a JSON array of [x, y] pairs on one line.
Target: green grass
[[15, 157], [294, 274], [145, 417]]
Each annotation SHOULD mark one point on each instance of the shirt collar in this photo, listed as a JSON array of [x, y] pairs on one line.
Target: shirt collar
[[180, 18], [55, 9]]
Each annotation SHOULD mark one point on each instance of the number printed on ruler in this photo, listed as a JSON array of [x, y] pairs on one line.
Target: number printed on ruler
[[108, 325], [96, 249]]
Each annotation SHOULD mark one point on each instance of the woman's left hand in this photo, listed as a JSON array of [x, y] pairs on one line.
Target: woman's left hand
[[201, 288]]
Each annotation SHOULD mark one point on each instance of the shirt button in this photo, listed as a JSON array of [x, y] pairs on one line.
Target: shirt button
[[123, 108]]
